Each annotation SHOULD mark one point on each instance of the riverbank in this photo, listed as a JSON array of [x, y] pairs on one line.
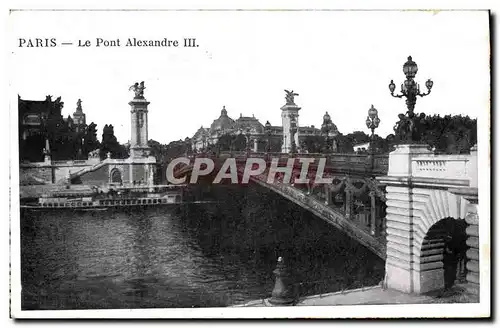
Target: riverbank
[[377, 295]]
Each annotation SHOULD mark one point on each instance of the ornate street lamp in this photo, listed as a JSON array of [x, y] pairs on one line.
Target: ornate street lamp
[[372, 122], [410, 90], [293, 130], [267, 129], [327, 130]]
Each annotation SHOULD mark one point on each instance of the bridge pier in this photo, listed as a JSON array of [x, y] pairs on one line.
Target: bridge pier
[[472, 255], [421, 194]]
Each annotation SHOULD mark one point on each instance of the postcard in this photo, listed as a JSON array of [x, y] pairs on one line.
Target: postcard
[[249, 163]]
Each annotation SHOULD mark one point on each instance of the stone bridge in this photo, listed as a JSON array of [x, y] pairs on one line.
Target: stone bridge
[[427, 196], [405, 207], [354, 202]]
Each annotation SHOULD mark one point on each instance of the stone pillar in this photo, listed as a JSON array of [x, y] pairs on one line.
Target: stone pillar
[[255, 145], [141, 164], [139, 128], [402, 271], [472, 220], [287, 111], [46, 152], [472, 255]]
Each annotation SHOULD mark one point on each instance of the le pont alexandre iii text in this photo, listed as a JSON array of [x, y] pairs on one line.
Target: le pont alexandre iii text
[[108, 42]]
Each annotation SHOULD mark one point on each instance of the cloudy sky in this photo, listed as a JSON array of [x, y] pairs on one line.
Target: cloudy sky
[[338, 61]]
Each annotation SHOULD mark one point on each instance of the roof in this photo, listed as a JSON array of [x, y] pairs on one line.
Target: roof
[[201, 131], [47, 106], [362, 145], [222, 123], [246, 122]]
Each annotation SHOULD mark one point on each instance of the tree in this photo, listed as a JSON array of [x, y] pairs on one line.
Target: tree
[[381, 145], [240, 143], [176, 149], [225, 141], [313, 144], [158, 150], [346, 143], [90, 141], [111, 145], [276, 144], [449, 134], [358, 137]]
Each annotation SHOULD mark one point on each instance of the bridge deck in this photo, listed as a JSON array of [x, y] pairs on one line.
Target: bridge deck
[[310, 201], [327, 213]]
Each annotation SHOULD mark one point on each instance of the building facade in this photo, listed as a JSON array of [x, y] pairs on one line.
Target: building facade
[[256, 136], [42, 128]]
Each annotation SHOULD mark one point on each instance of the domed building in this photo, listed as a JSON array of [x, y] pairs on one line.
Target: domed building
[[254, 134], [223, 123]]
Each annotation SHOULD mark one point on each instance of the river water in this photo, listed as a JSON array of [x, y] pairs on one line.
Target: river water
[[203, 255]]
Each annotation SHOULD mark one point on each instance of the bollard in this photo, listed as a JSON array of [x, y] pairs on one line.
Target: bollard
[[281, 294]]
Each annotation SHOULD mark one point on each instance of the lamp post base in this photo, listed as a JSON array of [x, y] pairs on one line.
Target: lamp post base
[[281, 294]]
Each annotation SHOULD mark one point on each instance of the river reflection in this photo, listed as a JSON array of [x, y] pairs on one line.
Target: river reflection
[[194, 256]]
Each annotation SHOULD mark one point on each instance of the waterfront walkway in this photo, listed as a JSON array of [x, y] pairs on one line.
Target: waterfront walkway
[[377, 295]]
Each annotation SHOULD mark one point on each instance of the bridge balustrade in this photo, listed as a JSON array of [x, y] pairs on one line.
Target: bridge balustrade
[[355, 197], [361, 201]]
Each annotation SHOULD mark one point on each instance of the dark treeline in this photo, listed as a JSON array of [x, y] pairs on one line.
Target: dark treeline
[[70, 144], [445, 134]]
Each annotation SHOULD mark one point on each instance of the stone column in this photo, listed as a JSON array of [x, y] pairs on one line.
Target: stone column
[[287, 111], [139, 127], [402, 270], [472, 267], [472, 255], [255, 145], [46, 152]]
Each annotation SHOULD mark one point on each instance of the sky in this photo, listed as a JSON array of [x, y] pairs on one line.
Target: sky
[[337, 61]]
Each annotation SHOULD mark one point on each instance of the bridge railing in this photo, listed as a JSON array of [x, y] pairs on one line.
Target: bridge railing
[[378, 164], [354, 191], [442, 166], [360, 200]]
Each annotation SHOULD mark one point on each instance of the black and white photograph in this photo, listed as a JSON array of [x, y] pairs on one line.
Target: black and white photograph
[[249, 163]]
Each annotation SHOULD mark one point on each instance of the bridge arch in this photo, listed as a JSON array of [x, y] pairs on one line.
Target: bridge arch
[[431, 206], [418, 222], [442, 248], [115, 176]]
